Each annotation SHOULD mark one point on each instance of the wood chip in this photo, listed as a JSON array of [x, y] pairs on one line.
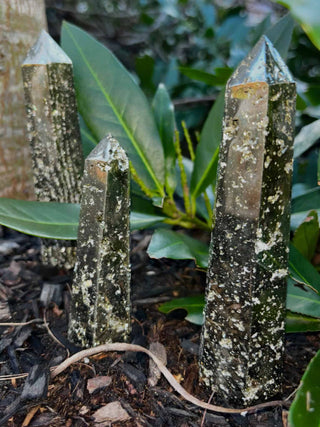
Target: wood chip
[[4, 310], [95, 383], [7, 247], [154, 372], [112, 412]]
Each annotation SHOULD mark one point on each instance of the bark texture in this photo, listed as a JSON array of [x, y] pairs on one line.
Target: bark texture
[[20, 23], [242, 343]]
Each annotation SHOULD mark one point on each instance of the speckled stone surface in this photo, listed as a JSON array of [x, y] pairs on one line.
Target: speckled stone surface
[[54, 134], [242, 341], [101, 286]]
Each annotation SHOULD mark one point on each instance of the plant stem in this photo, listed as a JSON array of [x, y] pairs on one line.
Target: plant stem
[[183, 175], [188, 139], [208, 207], [139, 181]]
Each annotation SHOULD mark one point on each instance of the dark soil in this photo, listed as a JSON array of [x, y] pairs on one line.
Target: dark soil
[[65, 401]]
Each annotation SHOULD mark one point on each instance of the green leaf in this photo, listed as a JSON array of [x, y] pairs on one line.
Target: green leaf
[[300, 298], [140, 220], [306, 236], [56, 220], [299, 217], [308, 201], [297, 323], [302, 270], [145, 68], [318, 169], [164, 114], [43, 219], [207, 152], [280, 34], [306, 12], [307, 136], [88, 140], [305, 409], [193, 305], [170, 244], [110, 102], [218, 78]]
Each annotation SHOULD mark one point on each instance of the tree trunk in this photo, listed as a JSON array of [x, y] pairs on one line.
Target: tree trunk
[[20, 24]]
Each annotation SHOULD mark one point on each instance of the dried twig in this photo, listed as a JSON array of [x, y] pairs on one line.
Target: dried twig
[[13, 377], [21, 323], [50, 332], [165, 372]]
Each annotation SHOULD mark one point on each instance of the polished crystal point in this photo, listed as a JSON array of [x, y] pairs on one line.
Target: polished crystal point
[[101, 286], [263, 64], [242, 343], [54, 134], [45, 52]]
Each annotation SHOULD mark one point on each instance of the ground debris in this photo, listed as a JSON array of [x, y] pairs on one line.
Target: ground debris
[[97, 383], [68, 401], [112, 411], [154, 373]]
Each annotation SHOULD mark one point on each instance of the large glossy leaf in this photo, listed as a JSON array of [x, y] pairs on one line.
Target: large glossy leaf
[[302, 270], [303, 203], [219, 77], [297, 323], [306, 202], [303, 299], [164, 114], [192, 305], [43, 219], [140, 220], [111, 102], [280, 34], [88, 140], [307, 136], [306, 12], [299, 217], [306, 236], [305, 409], [56, 220], [170, 244], [207, 152]]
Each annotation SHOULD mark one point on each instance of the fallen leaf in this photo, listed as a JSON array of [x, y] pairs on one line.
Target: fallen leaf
[[154, 372], [30, 415], [178, 378]]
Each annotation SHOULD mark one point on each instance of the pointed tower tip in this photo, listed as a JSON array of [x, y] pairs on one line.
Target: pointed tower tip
[[46, 51], [107, 150], [262, 64]]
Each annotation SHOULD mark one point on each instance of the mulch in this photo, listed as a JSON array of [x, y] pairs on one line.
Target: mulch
[[112, 383]]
